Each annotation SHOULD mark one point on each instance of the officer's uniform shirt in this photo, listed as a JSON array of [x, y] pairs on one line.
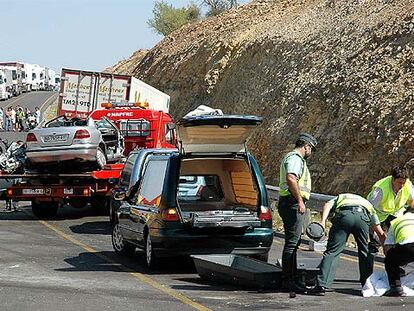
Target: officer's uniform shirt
[[332, 206], [376, 197], [294, 165]]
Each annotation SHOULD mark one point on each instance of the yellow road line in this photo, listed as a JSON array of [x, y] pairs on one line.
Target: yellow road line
[[143, 278], [343, 256]]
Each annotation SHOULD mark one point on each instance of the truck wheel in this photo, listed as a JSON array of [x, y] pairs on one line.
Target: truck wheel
[[45, 209], [120, 246], [100, 158], [100, 205], [79, 203], [150, 259]]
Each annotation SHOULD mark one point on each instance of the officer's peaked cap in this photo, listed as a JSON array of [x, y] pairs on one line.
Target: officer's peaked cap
[[308, 138]]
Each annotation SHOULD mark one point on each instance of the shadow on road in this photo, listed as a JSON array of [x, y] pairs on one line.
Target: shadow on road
[[198, 284], [92, 227], [24, 212], [18, 214], [349, 291], [110, 261]]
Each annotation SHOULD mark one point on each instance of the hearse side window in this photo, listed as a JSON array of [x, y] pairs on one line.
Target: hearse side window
[[126, 172], [150, 189]]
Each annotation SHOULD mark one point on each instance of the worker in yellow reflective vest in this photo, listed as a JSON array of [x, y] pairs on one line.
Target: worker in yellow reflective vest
[[349, 214], [399, 249], [389, 196], [295, 189]]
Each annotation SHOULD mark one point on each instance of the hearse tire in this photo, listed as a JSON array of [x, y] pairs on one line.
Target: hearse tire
[[120, 246], [150, 258]]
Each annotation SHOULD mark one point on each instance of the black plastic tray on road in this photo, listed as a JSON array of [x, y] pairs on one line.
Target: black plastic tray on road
[[238, 270]]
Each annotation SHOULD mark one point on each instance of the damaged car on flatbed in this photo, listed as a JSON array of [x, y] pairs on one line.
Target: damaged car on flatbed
[[62, 141], [228, 210]]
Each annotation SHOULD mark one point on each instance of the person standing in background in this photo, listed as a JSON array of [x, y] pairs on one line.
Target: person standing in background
[[13, 118], [2, 123], [295, 189], [38, 115]]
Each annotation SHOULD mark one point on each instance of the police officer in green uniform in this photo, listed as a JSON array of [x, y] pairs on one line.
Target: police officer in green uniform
[[399, 250], [295, 189], [350, 214]]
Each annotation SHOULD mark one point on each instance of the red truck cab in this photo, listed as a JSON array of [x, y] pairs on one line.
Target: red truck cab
[[140, 127]]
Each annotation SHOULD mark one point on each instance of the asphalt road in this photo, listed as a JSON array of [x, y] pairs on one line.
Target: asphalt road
[[31, 100], [69, 264]]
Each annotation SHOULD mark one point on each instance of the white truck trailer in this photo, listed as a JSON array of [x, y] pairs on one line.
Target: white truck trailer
[[50, 79], [84, 91], [18, 76], [6, 83]]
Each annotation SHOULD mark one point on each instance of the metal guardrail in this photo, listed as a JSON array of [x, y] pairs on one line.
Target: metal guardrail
[[315, 202]]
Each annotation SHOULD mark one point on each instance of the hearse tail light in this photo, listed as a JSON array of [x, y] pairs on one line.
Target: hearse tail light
[[31, 138], [82, 134], [171, 215], [265, 213]]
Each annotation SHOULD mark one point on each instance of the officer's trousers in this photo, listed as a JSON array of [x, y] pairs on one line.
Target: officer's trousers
[[292, 225], [398, 256], [353, 221]]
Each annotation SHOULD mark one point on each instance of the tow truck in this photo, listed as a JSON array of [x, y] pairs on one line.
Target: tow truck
[[141, 128]]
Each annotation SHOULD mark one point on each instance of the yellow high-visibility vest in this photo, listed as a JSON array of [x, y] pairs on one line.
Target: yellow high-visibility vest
[[390, 203], [305, 183]]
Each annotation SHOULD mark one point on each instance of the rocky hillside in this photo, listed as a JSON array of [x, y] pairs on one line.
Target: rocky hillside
[[340, 69], [127, 66]]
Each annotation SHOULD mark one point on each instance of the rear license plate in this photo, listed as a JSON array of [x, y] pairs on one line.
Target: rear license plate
[[33, 191], [55, 138]]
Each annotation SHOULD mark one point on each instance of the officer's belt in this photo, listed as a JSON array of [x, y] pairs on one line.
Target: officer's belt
[[358, 209]]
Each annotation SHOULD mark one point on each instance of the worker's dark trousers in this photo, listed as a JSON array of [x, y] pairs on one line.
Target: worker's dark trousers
[[353, 221], [292, 224], [398, 256]]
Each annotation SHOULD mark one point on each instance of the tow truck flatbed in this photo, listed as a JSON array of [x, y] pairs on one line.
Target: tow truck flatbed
[[48, 191], [110, 171]]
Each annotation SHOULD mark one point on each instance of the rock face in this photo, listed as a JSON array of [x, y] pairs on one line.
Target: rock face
[[342, 70], [127, 66]]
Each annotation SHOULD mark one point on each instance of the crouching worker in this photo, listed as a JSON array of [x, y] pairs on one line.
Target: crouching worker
[[399, 249], [349, 214]]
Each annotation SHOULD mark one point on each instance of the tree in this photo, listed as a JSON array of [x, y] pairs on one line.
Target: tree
[[216, 7], [166, 18]]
